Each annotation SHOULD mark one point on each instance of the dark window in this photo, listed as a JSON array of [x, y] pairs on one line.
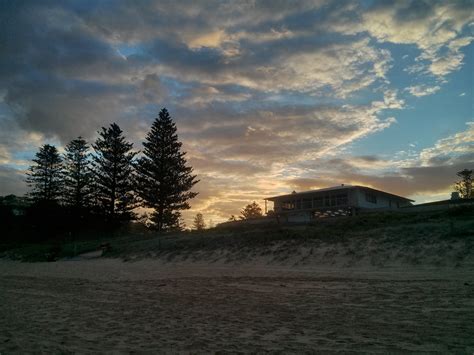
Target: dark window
[[298, 204], [318, 202], [327, 201], [341, 200], [306, 203], [370, 197]]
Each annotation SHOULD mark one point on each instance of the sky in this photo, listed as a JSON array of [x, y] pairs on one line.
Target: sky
[[268, 96]]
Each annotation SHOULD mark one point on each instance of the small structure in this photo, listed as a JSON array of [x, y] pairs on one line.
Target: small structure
[[343, 200], [455, 202]]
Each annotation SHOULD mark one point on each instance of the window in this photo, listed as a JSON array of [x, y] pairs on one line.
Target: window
[[327, 201], [318, 202], [288, 205], [370, 197], [307, 203], [341, 200]]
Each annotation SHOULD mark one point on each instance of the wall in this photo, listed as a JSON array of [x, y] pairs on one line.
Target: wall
[[299, 217], [383, 201]]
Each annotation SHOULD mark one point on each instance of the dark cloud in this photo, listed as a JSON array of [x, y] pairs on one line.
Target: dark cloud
[[415, 11], [65, 109], [54, 71], [369, 158]]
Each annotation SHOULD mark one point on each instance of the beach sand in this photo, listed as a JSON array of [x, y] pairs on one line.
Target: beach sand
[[102, 305]]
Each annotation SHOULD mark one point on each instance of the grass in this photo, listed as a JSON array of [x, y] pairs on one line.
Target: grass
[[373, 234]]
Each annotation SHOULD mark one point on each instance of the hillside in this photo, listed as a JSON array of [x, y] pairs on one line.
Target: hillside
[[442, 239]]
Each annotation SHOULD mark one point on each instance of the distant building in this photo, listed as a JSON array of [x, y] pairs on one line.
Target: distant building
[[454, 202], [343, 200]]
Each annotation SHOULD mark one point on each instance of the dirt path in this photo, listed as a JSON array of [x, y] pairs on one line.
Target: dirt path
[[138, 308]]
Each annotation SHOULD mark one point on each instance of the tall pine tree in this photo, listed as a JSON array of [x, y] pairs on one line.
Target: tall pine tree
[[77, 175], [164, 180], [113, 174], [45, 176]]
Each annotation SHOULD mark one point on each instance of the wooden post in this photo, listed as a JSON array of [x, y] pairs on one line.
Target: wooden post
[[265, 206]]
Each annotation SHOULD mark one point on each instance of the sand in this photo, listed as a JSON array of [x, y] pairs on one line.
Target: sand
[[106, 305]]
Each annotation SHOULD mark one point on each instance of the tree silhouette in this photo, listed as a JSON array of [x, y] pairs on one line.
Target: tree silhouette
[[77, 174], [232, 218], [252, 210], [113, 174], [198, 222], [45, 175], [464, 186], [164, 180]]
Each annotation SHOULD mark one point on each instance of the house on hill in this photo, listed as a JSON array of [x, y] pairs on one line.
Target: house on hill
[[343, 200]]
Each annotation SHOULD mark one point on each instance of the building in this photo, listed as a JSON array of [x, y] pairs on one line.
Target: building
[[343, 200], [454, 202]]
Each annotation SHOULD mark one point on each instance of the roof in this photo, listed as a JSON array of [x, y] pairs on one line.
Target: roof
[[336, 188], [446, 202]]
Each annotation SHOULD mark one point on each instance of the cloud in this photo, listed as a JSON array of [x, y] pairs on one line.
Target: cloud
[[436, 28], [77, 78], [422, 90], [451, 147], [432, 171], [12, 181], [212, 39], [304, 64], [406, 181], [203, 95], [152, 88], [282, 134], [64, 109]]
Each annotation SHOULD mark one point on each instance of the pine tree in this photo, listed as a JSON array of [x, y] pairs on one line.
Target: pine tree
[[164, 180], [464, 186], [198, 222], [252, 210], [113, 174], [77, 175], [45, 176]]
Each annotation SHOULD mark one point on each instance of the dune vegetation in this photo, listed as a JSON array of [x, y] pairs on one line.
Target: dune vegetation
[[381, 239]]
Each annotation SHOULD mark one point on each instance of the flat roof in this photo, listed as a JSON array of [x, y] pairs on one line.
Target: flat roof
[[335, 188], [446, 202]]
